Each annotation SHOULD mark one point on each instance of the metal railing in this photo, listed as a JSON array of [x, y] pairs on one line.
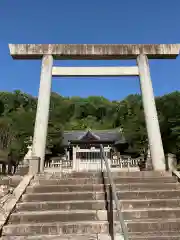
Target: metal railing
[[114, 195], [176, 173]]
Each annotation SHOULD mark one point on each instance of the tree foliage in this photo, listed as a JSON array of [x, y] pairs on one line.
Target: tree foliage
[[18, 110]]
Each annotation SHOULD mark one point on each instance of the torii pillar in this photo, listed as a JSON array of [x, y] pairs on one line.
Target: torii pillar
[[42, 113], [141, 52]]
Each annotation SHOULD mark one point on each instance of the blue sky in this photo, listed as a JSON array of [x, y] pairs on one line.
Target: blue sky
[[95, 21]]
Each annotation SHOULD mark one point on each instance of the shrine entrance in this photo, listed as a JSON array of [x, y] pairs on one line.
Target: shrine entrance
[[86, 151], [89, 159]]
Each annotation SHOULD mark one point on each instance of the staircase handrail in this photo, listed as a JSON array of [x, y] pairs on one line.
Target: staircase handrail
[[114, 195], [176, 173]]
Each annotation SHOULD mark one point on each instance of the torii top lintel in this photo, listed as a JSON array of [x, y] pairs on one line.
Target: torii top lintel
[[94, 51]]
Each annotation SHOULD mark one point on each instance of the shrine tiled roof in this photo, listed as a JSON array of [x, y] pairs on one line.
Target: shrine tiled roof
[[112, 135]]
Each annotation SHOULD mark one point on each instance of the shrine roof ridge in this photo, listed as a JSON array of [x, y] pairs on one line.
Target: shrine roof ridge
[[105, 135], [118, 129], [94, 51]]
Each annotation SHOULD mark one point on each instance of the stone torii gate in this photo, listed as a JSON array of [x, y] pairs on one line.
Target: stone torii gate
[[141, 52]]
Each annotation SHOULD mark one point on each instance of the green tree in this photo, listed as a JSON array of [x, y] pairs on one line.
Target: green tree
[[18, 110]]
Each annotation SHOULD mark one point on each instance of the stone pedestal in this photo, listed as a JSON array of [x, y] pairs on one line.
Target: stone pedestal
[[171, 162], [148, 165], [34, 165]]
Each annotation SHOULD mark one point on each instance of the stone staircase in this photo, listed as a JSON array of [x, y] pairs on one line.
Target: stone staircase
[[76, 206]]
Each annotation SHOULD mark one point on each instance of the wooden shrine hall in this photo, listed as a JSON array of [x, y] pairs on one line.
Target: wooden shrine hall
[[83, 147]]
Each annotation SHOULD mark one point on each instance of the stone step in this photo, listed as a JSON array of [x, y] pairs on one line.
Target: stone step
[[64, 196], [56, 228], [123, 195], [91, 215], [120, 180], [170, 236], [161, 227], [54, 237], [140, 174], [57, 216], [152, 203], [65, 175], [66, 188], [153, 194], [68, 205], [158, 236], [96, 205], [68, 181], [100, 187], [147, 215]]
